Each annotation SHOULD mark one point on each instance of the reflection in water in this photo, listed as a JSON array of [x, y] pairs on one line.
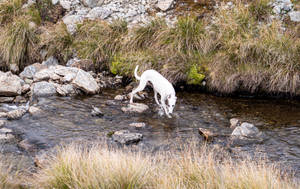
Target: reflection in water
[[69, 119]]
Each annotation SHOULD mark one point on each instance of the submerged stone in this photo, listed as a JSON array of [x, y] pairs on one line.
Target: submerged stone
[[126, 137]]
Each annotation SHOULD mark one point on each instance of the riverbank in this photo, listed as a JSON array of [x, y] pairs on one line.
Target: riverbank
[[234, 48], [75, 166]]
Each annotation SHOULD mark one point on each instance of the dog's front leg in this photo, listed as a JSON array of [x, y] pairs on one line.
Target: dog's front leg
[[162, 100]]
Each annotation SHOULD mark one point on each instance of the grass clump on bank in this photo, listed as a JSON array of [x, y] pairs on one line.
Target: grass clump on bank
[[18, 36], [74, 167]]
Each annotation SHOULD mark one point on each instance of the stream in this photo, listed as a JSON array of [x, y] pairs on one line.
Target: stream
[[69, 119]]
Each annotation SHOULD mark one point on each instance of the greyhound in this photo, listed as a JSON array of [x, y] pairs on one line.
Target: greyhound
[[160, 85]]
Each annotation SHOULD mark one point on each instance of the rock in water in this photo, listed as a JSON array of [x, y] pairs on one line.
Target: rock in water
[[97, 112], [138, 125], [207, 134], [246, 130], [10, 85], [43, 89], [126, 137], [15, 114], [135, 107], [2, 123], [234, 123]]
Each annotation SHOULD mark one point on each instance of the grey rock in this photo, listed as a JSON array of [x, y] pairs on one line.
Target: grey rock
[[6, 137], [3, 114], [99, 13], [10, 85], [34, 110], [51, 61], [126, 137], [234, 123], [120, 97], [31, 70], [85, 82], [44, 75], [246, 130], [6, 99], [54, 2], [66, 4], [71, 21], [72, 61], [135, 107], [14, 68], [43, 89], [16, 114], [138, 125], [2, 123], [96, 112], [25, 88], [63, 71], [5, 130], [92, 3], [165, 4], [295, 16]]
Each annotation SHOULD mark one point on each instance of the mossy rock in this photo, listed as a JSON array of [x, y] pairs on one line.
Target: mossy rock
[[195, 76]]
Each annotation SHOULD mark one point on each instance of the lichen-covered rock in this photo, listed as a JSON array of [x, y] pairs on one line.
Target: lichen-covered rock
[[85, 82], [71, 22], [99, 13], [45, 75], [10, 85], [43, 89], [126, 137]]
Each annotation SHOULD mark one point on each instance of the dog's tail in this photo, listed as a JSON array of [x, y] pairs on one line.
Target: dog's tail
[[135, 73]]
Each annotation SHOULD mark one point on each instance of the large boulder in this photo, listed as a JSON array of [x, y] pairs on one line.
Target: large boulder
[[10, 85], [31, 70], [43, 89], [85, 82]]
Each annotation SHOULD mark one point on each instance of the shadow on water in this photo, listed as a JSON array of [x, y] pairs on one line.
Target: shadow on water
[[68, 119]]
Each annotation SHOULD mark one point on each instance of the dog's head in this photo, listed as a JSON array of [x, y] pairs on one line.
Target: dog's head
[[171, 103]]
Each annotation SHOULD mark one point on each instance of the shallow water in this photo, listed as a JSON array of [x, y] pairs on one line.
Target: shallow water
[[68, 119]]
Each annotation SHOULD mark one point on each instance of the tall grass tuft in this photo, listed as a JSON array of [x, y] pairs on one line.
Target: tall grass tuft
[[98, 167], [57, 41], [18, 42], [8, 179], [9, 9], [100, 41]]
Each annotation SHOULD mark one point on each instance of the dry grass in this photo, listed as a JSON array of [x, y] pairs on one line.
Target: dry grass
[[8, 178], [57, 41], [18, 42], [75, 167], [9, 9], [100, 41]]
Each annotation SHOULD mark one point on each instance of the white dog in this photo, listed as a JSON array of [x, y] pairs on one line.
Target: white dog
[[160, 85]]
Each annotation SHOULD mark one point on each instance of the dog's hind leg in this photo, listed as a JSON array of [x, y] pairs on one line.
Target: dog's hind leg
[[141, 87]]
